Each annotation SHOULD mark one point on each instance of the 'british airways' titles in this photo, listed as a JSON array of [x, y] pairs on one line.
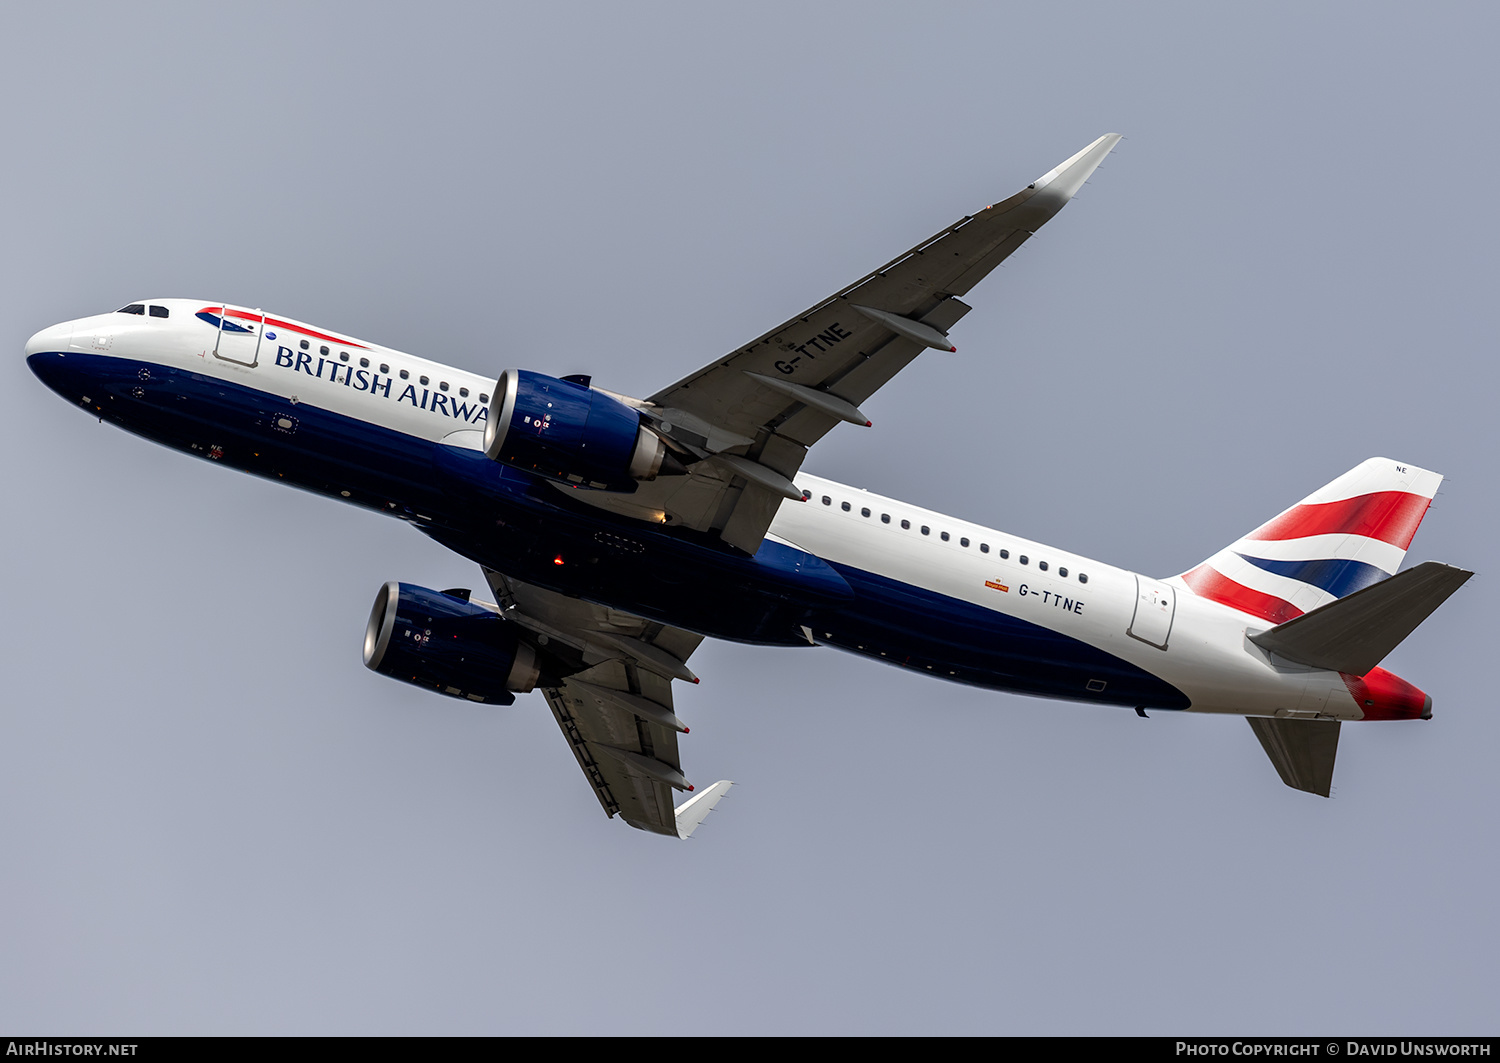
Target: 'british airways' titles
[[377, 384]]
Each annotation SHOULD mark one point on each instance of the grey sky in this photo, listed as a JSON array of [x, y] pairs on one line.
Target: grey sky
[[215, 820]]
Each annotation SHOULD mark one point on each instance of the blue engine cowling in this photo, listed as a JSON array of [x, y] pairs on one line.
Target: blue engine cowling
[[565, 430], [444, 643]]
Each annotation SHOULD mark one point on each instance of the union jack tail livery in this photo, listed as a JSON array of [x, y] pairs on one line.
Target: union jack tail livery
[[1341, 538]]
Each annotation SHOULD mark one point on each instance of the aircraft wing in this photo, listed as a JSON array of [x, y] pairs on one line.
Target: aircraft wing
[[750, 416], [616, 713]]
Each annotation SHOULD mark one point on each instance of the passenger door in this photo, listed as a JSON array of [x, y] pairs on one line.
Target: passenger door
[[1155, 605], [239, 335]]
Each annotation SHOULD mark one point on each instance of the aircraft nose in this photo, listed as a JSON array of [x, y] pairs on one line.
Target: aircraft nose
[[55, 338], [47, 357]]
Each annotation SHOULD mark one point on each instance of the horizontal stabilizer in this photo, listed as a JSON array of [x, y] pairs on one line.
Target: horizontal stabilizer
[[1354, 633], [695, 809], [1302, 750]]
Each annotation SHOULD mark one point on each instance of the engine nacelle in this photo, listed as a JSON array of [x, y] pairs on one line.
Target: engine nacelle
[[567, 431], [443, 643]]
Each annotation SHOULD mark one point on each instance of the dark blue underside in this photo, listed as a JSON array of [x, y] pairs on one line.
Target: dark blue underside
[[517, 524]]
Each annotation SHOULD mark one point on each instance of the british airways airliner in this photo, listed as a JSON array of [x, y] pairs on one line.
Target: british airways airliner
[[616, 533]]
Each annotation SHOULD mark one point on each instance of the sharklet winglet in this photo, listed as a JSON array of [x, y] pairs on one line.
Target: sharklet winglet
[[695, 809]]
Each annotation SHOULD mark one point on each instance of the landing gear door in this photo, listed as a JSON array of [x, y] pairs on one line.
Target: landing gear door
[[1155, 605], [239, 334]]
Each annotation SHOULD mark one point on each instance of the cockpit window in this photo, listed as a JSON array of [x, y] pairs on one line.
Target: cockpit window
[[159, 311], [133, 308]]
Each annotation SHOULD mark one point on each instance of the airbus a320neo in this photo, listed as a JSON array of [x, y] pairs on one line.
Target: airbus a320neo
[[616, 533]]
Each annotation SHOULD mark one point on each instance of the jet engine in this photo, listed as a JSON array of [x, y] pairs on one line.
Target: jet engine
[[444, 643], [565, 430]]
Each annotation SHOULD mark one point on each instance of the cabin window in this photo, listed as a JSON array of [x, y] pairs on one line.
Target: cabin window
[[885, 518], [133, 308], [963, 542], [1042, 565], [323, 349], [484, 398], [1005, 554], [304, 345], [422, 380], [159, 311], [364, 363], [1063, 573], [1082, 578], [844, 506], [943, 536], [984, 548], [1023, 559], [343, 356], [926, 530], [865, 512], [463, 393], [404, 374], [443, 385], [385, 369], [827, 501]]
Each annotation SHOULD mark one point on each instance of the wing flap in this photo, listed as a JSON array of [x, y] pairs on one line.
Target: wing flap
[[598, 738], [616, 711], [749, 517]]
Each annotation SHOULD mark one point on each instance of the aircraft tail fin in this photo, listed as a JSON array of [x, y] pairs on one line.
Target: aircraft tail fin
[[1342, 538], [1353, 634], [1302, 750]]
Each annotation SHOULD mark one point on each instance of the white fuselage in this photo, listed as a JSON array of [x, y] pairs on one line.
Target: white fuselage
[[1197, 645]]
